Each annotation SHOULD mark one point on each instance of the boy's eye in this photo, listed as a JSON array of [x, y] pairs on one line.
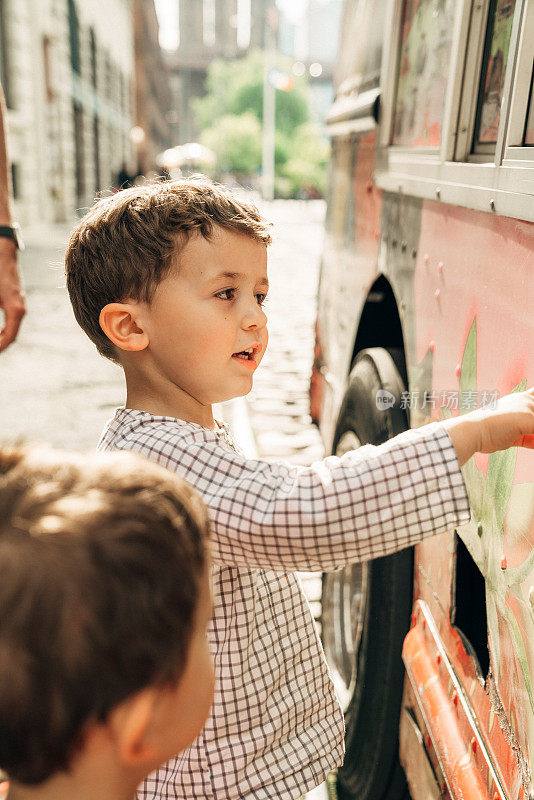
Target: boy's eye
[[226, 294], [261, 298]]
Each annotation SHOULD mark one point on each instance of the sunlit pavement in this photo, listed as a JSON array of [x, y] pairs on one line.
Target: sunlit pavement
[[54, 386], [273, 421]]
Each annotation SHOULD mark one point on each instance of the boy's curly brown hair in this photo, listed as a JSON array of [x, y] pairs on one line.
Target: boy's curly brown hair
[[102, 559], [128, 242]]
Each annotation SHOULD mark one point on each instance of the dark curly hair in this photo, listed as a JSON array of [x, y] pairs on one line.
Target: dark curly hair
[[101, 559], [127, 243]]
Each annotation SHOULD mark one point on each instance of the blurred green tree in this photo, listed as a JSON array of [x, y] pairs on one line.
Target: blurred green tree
[[236, 141], [234, 87], [230, 117], [305, 169]]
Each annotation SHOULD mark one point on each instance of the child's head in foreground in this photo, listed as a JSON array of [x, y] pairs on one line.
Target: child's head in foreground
[[169, 279], [105, 671]]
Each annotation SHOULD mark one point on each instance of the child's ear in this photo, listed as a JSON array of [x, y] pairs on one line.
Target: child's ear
[[131, 723], [120, 322]]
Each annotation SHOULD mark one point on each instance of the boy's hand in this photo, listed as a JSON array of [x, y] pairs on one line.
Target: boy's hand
[[509, 424]]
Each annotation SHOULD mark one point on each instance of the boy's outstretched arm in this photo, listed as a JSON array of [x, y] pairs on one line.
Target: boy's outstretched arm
[[362, 505], [509, 424], [365, 504]]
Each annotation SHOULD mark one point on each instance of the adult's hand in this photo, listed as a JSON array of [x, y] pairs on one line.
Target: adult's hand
[[11, 294]]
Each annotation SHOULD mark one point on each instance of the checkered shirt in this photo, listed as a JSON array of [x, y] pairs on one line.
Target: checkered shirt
[[276, 728]]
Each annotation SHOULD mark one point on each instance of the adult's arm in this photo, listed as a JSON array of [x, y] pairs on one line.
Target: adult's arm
[[11, 294]]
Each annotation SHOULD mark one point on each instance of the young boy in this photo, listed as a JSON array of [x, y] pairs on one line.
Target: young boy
[[169, 281], [105, 670]]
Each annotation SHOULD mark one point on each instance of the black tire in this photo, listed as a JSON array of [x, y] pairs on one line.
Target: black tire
[[372, 770]]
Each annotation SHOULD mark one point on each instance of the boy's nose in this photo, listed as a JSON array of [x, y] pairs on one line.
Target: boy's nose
[[254, 317]]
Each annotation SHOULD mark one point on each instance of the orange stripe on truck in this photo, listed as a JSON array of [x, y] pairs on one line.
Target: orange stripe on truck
[[464, 759]]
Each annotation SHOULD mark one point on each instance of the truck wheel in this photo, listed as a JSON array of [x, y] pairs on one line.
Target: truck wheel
[[366, 608]]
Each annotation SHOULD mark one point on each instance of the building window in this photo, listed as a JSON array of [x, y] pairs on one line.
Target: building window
[[123, 105], [96, 152], [74, 36], [96, 130], [127, 94], [4, 59], [47, 66], [109, 77], [77, 112], [92, 47], [497, 44]]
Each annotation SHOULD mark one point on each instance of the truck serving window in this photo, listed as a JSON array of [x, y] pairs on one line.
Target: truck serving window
[[490, 94], [426, 38], [456, 118]]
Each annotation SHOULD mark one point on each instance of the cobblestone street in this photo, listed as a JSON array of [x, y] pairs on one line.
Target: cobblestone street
[[278, 406], [274, 420], [54, 386]]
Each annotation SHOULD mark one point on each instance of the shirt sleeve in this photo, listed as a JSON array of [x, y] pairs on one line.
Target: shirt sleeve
[[365, 504]]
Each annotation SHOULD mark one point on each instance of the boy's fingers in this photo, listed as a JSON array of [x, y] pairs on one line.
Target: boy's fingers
[[525, 441]]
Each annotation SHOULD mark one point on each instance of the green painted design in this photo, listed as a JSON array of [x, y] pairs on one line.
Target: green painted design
[[484, 535], [520, 651], [499, 482], [517, 575], [468, 371], [474, 479]]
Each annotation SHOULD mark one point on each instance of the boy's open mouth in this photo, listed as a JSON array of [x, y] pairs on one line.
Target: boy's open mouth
[[249, 353], [246, 354]]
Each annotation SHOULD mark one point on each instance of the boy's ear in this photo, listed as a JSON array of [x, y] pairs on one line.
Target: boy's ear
[[131, 723], [120, 322]]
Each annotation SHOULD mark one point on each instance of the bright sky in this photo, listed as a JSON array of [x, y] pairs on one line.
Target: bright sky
[[168, 18]]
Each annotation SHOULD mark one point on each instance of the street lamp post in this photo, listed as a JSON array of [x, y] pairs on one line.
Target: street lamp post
[[269, 104]]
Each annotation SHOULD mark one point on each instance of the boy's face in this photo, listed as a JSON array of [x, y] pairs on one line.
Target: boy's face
[[207, 312]]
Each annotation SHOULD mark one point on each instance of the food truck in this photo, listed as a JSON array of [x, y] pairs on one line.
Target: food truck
[[425, 310]]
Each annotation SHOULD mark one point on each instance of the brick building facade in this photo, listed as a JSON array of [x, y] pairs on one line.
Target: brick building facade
[[67, 70]]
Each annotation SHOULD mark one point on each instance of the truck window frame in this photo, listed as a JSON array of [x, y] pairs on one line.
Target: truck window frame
[[453, 174]]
